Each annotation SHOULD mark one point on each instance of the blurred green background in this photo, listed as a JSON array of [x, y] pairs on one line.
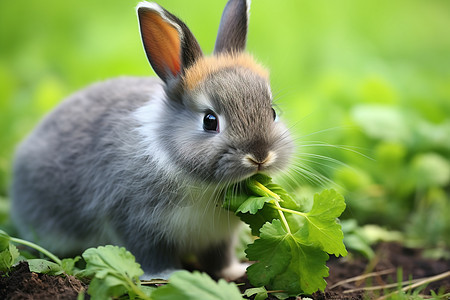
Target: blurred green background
[[365, 86]]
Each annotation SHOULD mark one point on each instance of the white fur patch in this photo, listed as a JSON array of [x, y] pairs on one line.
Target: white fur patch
[[235, 270], [149, 116], [200, 223]]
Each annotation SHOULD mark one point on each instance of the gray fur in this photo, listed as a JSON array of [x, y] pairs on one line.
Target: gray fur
[[127, 162], [232, 33]]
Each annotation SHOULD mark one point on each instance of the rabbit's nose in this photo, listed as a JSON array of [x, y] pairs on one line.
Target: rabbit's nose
[[261, 161]]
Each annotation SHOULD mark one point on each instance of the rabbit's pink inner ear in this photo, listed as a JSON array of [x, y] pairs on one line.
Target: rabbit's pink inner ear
[[162, 44]]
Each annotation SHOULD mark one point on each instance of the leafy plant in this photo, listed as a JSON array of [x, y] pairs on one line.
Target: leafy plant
[[113, 272], [9, 254], [196, 285], [292, 248]]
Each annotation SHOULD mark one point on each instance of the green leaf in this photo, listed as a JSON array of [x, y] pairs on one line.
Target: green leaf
[[272, 252], [68, 265], [114, 271], [321, 227], [285, 263], [255, 188], [256, 221], [234, 198], [259, 292], [288, 201], [106, 288], [261, 178], [111, 260], [306, 269], [44, 266], [292, 249], [196, 285], [8, 257], [253, 204]]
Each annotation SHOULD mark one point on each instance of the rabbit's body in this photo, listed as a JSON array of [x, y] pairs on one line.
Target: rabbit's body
[[144, 163], [86, 178]]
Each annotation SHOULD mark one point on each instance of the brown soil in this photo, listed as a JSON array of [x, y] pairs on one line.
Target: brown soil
[[391, 260], [20, 283]]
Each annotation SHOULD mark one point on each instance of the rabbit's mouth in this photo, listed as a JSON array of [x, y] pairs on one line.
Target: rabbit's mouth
[[234, 167], [261, 164]]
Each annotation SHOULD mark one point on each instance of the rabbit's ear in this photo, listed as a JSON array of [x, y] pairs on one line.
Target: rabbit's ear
[[169, 44], [232, 35]]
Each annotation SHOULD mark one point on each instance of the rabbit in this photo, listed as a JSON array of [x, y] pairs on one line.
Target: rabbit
[[144, 163]]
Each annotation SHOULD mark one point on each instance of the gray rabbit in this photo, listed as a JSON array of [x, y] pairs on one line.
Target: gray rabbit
[[144, 162]]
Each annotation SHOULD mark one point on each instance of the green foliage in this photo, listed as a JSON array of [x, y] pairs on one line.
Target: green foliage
[[260, 293], [8, 257], [44, 266], [321, 227], [285, 262], [408, 180], [114, 272], [292, 248], [196, 285], [8, 252]]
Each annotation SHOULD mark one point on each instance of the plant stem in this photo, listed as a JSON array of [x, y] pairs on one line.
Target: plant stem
[[269, 192], [283, 218], [293, 212], [38, 248], [135, 288], [276, 203]]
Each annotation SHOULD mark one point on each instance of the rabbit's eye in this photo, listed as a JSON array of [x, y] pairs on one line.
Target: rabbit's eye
[[274, 114], [211, 122]]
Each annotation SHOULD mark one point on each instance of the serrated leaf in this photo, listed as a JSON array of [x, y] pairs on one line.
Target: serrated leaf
[[196, 285], [284, 263], [306, 270], [252, 204], [321, 227], [290, 254], [111, 259], [256, 221], [114, 272], [272, 253]]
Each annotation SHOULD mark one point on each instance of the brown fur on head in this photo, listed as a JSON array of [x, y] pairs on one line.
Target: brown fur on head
[[209, 65]]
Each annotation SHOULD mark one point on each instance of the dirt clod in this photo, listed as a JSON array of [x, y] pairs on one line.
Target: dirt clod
[[22, 284]]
